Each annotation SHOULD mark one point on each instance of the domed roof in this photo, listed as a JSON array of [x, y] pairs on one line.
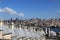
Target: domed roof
[[13, 34], [27, 33], [53, 33], [5, 30], [33, 33], [19, 33]]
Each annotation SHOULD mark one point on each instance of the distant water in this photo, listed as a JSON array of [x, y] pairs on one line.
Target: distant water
[[54, 29]]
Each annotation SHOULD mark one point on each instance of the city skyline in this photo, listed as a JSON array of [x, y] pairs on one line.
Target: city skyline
[[43, 9]]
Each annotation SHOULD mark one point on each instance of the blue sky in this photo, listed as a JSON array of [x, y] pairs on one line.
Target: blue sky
[[43, 9]]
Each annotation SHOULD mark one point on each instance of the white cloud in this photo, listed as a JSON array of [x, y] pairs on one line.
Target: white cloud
[[20, 14], [8, 10], [1, 10], [58, 11]]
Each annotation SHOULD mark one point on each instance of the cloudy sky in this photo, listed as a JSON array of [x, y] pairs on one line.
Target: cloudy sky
[[29, 9]]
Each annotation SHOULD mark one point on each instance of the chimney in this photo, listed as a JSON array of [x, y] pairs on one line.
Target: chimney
[[34, 28], [19, 26], [46, 30], [1, 23], [12, 25], [49, 32]]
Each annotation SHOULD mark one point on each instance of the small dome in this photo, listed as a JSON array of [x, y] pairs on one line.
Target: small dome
[[52, 33]]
